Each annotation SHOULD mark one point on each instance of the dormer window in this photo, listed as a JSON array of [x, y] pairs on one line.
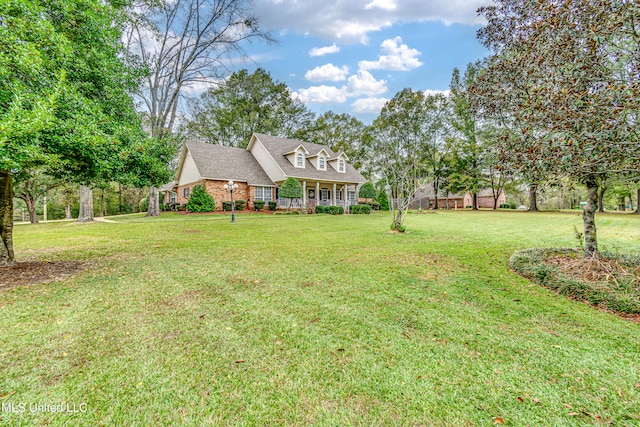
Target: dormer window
[[322, 164], [299, 160], [340, 165]]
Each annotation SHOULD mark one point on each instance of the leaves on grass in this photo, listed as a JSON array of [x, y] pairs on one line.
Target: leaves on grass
[[240, 361], [520, 399], [498, 420]]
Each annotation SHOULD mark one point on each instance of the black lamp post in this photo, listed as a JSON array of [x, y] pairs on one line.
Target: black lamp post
[[231, 186]]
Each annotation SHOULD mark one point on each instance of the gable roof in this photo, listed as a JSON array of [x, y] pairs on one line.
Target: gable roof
[[218, 162], [278, 147]]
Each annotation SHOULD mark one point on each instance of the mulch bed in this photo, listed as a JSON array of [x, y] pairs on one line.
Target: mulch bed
[[597, 270], [33, 272], [609, 282]]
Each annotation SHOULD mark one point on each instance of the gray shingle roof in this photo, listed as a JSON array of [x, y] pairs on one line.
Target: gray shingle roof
[[277, 147], [223, 163]]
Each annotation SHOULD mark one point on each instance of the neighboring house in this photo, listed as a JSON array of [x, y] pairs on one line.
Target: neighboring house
[[326, 177], [424, 198]]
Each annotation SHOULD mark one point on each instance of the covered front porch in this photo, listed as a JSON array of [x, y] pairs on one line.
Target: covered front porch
[[319, 193]]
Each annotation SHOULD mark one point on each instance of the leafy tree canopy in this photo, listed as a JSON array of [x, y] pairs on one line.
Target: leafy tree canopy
[[290, 189], [247, 103]]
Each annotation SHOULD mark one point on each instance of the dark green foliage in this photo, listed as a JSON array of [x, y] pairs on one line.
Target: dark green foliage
[[321, 209], [616, 295], [382, 200], [336, 210], [368, 191], [258, 204], [508, 206], [200, 200], [290, 189], [240, 204], [226, 206], [272, 206], [360, 209]]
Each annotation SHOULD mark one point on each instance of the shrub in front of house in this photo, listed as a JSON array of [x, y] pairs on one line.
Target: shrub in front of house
[[258, 204], [272, 206], [240, 204], [226, 206], [321, 209], [508, 206], [200, 200], [336, 210], [360, 209]]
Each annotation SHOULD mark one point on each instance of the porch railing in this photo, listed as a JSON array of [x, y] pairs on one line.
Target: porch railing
[[311, 203]]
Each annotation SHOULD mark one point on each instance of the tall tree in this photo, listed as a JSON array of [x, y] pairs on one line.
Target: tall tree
[[466, 144], [183, 44], [245, 103], [397, 149], [571, 69], [64, 95]]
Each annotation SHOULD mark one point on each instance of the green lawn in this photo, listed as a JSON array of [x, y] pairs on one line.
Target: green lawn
[[314, 320]]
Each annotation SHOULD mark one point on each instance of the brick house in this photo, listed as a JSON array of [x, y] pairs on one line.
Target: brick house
[[326, 177], [425, 198]]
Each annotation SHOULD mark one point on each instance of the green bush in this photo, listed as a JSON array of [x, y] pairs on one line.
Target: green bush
[[368, 191], [226, 206], [272, 206], [508, 206], [360, 209], [321, 209], [336, 210], [200, 200], [240, 204], [258, 204]]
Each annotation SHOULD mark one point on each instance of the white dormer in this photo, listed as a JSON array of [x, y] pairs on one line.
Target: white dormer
[[320, 159], [339, 163], [297, 156]]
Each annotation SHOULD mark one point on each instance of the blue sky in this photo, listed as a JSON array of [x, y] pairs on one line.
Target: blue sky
[[353, 55]]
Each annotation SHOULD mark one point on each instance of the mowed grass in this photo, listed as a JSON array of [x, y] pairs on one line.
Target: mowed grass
[[314, 320]]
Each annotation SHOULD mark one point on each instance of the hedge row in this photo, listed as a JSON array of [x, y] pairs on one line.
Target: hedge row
[[360, 209]]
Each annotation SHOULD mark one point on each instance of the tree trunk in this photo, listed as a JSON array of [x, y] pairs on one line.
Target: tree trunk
[[67, 211], [6, 217], [86, 204], [601, 190], [475, 201], [495, 202], [533, 198], [435, 195], [588, 218], [637, 212], [31, 207], [153, 205]]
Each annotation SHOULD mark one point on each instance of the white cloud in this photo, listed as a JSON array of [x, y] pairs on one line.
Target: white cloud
[[388, 5], [321, 95], [364, 83], [361, 84], [368, 105], [396, 56], [352, 20], [327, 72], [429, 92], [326, 50]]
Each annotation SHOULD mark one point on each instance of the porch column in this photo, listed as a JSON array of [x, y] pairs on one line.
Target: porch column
[[304, 194], [333, 195], [345, 196], [317, 193]]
